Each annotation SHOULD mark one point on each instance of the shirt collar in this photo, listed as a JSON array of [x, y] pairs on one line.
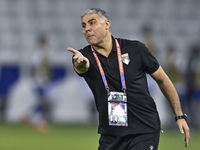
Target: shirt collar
[[114, 49]]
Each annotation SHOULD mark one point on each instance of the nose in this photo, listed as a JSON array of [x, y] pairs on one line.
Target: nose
[[87, 28]]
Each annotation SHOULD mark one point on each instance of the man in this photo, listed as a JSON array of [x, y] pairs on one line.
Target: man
[[114, 69]]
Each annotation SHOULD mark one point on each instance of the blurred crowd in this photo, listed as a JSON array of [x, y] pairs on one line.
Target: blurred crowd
[[186, 80], [38, 85]]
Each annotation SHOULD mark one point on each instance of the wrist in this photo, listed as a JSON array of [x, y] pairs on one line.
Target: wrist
[[184, 116]]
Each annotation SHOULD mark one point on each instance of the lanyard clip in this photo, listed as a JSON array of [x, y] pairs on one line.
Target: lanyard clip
[[124, 90], [108, 91]]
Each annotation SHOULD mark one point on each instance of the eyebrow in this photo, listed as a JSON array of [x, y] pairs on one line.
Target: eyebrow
[[91, 20], [88, 21]]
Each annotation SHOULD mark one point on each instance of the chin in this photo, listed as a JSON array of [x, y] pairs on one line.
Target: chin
[[92, 43]]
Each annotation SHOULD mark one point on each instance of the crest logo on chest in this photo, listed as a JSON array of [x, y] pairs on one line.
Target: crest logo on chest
[[125, 58]]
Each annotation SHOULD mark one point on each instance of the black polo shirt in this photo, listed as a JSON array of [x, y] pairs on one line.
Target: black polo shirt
[[142, 113]]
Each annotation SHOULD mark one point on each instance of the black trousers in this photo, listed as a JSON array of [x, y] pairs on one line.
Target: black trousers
[[130, 142]]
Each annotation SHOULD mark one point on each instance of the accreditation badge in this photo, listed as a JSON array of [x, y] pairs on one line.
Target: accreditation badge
[[117, 109]]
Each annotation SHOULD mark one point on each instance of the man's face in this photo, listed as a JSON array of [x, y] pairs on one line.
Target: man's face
[[95, 28]]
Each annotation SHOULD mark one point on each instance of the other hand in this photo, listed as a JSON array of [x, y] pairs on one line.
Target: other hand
[[184, 129]]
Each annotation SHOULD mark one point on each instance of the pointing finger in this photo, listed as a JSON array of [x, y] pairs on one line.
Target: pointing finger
[[71, 50]]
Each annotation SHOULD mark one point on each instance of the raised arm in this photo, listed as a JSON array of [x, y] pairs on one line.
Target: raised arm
[[81, 63], [169, 91]]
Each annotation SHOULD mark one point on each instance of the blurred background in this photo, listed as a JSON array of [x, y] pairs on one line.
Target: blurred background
[[38, 85]]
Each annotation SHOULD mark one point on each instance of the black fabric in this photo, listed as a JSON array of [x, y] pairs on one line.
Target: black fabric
[[130, 142], [142, 112]]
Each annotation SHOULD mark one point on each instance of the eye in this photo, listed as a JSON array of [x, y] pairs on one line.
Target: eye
[[92, 22], [83, 25]]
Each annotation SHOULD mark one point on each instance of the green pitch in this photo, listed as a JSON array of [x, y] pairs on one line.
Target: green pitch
[[76, 137]]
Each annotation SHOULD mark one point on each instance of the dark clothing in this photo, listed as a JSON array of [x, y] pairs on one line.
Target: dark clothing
[[142, 112], [130, 142]]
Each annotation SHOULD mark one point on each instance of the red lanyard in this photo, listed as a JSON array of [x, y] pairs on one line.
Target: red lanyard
[[120, 63]]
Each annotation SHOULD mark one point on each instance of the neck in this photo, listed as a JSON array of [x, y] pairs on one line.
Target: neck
[[105, 47]]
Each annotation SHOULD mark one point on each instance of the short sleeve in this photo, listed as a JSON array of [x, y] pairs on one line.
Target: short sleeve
[[149, 62]]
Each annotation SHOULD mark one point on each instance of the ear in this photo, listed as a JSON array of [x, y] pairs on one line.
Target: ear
[[108, 24]]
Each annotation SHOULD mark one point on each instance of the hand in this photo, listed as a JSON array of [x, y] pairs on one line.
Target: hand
[[81, 63], [78, 57], [184, 129]]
